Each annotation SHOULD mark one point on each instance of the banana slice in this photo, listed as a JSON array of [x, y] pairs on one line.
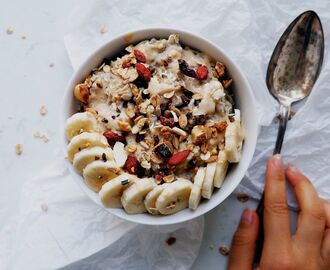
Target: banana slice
[[207, 188], [119, 154], [98, 172], [174, 197], [234, 139], [86, 156], [221, 170], [80, 122], [83, 141], [133, 197], [196, 191], [112, 191], [150, 200]]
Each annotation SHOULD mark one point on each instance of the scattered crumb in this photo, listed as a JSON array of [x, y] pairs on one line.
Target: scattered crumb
[[43, 110], [104, 28], [39, 135], [10, 117], [66, 157], [224, 250], [171, 240], [9, 30], [292, 114], [51, 65], [242, 197], [23, 37], [19, 149], [44, 207], [211, 246]]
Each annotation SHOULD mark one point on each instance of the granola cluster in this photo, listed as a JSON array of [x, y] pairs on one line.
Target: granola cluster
[[170, 105]]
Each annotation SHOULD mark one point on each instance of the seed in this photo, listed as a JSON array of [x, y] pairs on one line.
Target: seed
[[104, 157]]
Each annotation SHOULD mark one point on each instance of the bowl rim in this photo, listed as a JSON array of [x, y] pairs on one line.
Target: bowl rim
[[121, 36]]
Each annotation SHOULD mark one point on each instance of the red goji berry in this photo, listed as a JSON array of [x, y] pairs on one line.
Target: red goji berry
[[113, 137], [178, 157], [131, 164], [140, 57], [202, 72], [143, 71]]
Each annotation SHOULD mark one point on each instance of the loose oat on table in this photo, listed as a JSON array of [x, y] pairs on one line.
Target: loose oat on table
[[43, 110], [103, 29], [19, 149], [164, 111], [9, 30]]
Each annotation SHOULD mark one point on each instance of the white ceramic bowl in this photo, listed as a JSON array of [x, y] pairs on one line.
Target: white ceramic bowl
[[244, 100]]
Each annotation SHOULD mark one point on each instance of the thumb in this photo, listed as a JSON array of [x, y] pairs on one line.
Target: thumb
[[244, 242]]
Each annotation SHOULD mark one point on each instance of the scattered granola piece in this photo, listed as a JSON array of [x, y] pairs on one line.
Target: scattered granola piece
[[224, 250], [44, 207], [243, 197], [171, 240], [19, 149], [211, 246], [51, 65], [9, 30], [131, 148], [43, 110], [104, 28], [45, 138], [23, 37], [37, 134]]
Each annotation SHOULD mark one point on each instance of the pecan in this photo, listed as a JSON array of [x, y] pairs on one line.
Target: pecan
[[221, 126]]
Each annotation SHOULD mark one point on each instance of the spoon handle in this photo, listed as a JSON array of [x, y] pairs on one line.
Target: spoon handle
[[284, 116]]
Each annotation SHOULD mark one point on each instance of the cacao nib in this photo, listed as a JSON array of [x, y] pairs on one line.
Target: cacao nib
[[163, 151], [185, 69]]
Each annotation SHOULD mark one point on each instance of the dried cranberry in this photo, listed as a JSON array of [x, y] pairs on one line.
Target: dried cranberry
[[131, 164], [167, 121], [201, 73], [185, 69], [163, 151]]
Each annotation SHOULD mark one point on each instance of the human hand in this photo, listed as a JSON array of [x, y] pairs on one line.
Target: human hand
[[307, 249]]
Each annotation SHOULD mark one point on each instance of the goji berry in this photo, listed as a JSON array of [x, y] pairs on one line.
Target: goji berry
[[143, 71], [166, 121], [201, 73], [131, 164], [140, 57], [113, 137], [178, 157]]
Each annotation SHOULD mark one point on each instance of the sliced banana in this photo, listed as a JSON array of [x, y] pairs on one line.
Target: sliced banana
[[221, 170], [98, 172], [86, 156], [133, 197], [84, 140], [120, 154], [79, 123], [234, 139], [207, 188], [111, 192], [150, 200], [196, 191], [174, 197]]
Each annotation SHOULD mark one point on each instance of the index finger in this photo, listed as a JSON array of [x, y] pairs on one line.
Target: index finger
[[276, 214]]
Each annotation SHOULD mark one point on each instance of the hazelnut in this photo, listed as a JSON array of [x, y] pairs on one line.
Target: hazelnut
[[81, 93]]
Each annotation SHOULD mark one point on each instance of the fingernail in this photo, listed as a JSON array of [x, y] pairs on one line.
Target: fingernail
[[247, 216], [277, 160], [293, 168]]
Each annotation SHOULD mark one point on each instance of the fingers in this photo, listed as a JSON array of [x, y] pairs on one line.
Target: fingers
[[276, 215], [244, 241], [312, 215], [325, 250]]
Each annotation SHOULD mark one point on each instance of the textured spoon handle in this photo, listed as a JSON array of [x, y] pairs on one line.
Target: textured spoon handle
[[284, 116]]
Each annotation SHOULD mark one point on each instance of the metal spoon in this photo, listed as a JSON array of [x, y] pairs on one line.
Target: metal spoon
[[292, 71]]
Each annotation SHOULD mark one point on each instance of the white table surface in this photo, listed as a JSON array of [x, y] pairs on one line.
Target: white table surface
[[28, 82]]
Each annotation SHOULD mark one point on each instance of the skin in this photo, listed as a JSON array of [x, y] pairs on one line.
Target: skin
[[307, 249]]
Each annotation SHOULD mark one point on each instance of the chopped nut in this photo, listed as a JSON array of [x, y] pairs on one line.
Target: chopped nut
[[227, 83], [43, 110], [169, 178], [204, 148], [139, 125], [221, 126], [131, 148], [205, 156], [130, 112], [213, 158], [183, 121], [176, 143], [104, 29], [19, 149], [154, 158], [144, 145], [179, 131], [175, 117], [219, 69], [106, 68], [197, 96], [198, 134], [9, 30], [243, 197], [177, 111], [51, 65], [124, 126], [224, 250], [146, 164], [81, 93]]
